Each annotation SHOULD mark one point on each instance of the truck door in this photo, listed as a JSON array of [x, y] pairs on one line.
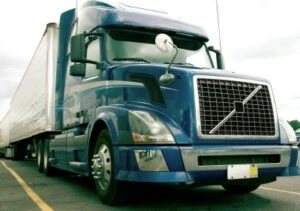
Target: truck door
[[81, 100]]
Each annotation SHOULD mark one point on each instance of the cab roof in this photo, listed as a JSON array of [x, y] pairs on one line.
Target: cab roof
[[106, 14]]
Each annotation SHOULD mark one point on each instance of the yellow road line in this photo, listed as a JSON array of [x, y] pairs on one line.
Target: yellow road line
[[39, 202], [281, 191]]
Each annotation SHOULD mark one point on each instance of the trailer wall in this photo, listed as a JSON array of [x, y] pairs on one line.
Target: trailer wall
[[33, 105], [4, 131]]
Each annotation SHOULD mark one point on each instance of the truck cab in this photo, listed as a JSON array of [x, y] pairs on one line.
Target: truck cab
[[139, 99]]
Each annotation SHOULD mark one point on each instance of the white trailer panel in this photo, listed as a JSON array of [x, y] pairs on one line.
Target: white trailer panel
[[33, 105], [4, 131]]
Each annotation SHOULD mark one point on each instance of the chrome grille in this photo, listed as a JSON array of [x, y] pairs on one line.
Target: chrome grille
[[219, 98]]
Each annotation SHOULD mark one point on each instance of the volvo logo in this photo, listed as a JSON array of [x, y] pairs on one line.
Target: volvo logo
[[238, 108]]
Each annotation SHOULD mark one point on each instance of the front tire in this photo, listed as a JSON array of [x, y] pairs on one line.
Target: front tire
[[241, 188], [102, 170]]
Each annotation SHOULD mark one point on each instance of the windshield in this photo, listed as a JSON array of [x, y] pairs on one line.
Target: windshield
[[130, 45]]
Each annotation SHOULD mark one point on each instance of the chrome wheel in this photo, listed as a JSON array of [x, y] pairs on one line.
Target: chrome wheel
[[48, 170], [46, 157], [101, 167]]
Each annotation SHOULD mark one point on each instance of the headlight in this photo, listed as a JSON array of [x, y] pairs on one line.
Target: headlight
[[289, 131], [147, 128]]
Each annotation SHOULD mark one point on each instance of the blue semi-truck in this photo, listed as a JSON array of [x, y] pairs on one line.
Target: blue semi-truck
[[124, 94]]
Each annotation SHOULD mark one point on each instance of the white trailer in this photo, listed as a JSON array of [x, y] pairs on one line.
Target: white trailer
[[4, 135], [32, 111]]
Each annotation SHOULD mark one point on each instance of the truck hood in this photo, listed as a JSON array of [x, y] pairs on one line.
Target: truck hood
[[117, 71], [179, 101]]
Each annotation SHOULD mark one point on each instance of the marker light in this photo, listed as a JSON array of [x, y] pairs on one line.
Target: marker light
[[289, 131]]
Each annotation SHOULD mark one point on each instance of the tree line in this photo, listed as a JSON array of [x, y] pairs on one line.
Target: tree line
[[295, 124]]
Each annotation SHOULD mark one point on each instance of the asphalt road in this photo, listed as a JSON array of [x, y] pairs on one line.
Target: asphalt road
[[23, 188]]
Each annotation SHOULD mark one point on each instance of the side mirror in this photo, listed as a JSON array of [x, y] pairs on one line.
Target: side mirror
[[164, 43], [219, 57], [77, 70], [78, 48]]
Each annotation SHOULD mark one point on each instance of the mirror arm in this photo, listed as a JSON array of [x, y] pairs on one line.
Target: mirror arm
[[219, 58], [209, 56], [167, 72], [165, 44], [99, 65]]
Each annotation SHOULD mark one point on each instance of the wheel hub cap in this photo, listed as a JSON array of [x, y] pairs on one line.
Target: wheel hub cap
[[101, 167]]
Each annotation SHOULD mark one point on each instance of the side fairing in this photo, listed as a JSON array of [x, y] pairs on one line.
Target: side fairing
[[66, 21]]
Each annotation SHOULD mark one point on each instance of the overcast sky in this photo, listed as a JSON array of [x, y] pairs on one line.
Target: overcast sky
[[259, 37]]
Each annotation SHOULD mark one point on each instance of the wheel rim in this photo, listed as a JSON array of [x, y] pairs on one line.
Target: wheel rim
[[101, 167], [45, 158]]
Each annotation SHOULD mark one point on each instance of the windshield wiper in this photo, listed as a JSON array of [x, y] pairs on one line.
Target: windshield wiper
[[131, 59], [186, 64], [180, 63]]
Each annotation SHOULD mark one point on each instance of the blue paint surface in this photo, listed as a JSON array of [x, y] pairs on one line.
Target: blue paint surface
[[108, 99]]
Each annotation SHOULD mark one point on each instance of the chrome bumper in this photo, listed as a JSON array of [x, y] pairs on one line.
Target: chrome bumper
[[191, 155]]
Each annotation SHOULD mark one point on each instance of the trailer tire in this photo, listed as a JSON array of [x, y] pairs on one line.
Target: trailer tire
[[40, 155], [102, 170], [48, 170]]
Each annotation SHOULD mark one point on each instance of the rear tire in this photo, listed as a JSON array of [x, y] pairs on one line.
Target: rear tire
[[102, 170], [48, 170], [40, 155]]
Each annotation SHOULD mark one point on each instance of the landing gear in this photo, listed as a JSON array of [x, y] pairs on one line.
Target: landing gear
[[19, 151]]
